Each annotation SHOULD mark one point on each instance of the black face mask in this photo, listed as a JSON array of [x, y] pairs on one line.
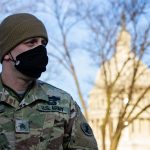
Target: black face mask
[[32, 62]]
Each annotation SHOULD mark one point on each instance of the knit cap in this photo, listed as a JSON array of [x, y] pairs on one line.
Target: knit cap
[[16, 28]]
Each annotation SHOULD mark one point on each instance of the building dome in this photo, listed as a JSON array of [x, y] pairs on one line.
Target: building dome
[[118, 82]]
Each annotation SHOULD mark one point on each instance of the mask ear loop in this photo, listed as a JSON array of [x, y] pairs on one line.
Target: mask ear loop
[[12, 59], [17, 62]]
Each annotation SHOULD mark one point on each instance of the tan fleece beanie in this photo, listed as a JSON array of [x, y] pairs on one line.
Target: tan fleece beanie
[[16, 28]]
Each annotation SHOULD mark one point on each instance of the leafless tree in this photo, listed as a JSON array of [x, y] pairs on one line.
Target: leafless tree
[[104, 22], [15, 6], [64, 13]]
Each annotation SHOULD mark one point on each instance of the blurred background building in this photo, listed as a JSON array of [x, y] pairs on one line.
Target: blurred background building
[[135, 136]]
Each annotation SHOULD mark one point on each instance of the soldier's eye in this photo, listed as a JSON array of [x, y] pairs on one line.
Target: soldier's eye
[[44, 42], [30, 42]]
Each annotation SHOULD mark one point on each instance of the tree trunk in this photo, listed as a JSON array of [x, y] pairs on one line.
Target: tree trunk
[[79, 92], [115, 140], [103, 137]]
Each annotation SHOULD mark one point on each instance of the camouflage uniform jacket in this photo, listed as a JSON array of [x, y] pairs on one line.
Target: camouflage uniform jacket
[[46, 118]]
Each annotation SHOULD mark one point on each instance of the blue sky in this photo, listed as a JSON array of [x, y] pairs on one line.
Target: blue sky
[[84, 66]]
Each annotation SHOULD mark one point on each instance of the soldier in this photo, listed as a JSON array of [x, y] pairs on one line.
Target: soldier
[[35, 115]]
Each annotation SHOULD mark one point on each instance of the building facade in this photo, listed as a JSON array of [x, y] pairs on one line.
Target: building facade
[[135, 136]]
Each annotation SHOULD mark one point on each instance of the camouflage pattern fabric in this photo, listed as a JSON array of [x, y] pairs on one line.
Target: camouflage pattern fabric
[[45, 119]]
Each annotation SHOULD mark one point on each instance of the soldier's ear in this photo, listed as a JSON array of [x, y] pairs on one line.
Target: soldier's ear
[[6, 57]]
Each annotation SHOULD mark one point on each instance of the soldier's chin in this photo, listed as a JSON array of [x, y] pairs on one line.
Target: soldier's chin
[[28, 77]]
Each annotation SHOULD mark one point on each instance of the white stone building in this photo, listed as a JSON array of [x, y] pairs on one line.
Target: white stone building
[[137, 135]]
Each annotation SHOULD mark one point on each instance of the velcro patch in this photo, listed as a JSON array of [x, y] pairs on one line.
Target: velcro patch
[[86, 129], [52, 108], [22, 126]]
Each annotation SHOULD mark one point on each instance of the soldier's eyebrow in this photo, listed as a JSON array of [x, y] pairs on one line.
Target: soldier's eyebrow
[[30, 39], [35, 39]]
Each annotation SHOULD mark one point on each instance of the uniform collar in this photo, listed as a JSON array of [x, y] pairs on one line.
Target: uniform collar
[[36, 93]]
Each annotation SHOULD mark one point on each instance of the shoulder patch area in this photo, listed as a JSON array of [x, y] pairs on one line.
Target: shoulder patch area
[[54, 92], [53, 100], [86, 129]]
